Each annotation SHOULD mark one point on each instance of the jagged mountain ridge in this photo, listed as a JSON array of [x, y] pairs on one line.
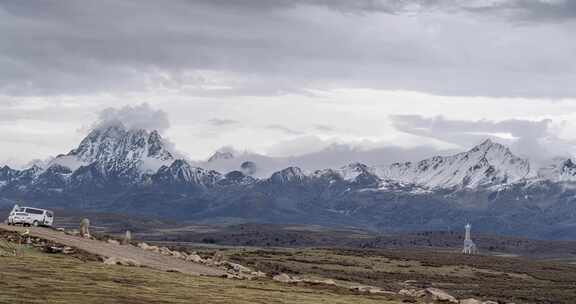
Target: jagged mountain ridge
[[134, 171], [117, 153], [487, 164]]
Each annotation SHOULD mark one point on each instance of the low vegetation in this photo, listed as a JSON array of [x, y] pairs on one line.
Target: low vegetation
[[49, 278], [515, 280]]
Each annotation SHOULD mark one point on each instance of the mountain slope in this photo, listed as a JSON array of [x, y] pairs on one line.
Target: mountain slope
[[120, 150], [115, 169], [487, 164]]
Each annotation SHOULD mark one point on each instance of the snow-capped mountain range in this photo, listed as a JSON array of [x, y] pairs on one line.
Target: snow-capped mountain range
[[119, 169], [487, 164]]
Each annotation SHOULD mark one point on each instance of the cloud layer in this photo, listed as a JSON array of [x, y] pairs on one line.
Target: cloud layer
[[537, 140], [258, 47], [141, 116]]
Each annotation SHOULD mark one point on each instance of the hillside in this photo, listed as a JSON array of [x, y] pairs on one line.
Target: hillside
[[134, 172], [43, 278], [291, 275]]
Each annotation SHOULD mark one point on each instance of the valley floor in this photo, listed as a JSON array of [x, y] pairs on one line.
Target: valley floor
[[44, 278]]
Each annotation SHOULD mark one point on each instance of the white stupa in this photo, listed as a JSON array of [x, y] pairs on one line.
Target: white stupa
[[469, 246]]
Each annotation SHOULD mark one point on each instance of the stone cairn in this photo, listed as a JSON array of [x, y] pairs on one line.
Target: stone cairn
[[85, 228], [127, 238]]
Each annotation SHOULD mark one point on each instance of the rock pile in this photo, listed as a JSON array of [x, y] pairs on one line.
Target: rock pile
[[233, 270], [436, 295], [14, 239], [85, 228]]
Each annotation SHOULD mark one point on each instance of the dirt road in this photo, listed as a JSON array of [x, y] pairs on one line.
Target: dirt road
[[145, 258]]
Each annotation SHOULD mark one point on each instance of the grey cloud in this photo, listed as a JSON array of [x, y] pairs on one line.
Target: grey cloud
[[222, 122], [532, 10], [283, 129], [278, 47], [536, 10], [535, 139], [324, 128], [324, 155], [141, 116]]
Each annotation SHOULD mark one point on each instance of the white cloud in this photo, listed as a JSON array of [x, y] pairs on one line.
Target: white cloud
[[140, 116]]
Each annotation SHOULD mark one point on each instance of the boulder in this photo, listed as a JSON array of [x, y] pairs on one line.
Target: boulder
[[258, 274], [470, 301], [68, 250], [413, 293], [218, 257], [121, 261], [129, 262], [440, 295], [153, 249], [194, 258], [369, 289], [143, 245], [284, 278], [165, 251], [238, 268]]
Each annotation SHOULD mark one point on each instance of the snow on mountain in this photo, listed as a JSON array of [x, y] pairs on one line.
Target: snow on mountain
[[560, 170], [288, 175], [133, 156], [7, 173], [220, 155], [352, 171], [118, 149], [181, 173], [484, 165]]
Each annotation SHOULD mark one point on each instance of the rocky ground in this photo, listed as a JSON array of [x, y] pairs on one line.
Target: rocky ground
[[396, 275], [113, 251], [104, 250]]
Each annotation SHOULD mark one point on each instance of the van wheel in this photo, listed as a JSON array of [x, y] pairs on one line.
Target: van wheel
[[35, 223]]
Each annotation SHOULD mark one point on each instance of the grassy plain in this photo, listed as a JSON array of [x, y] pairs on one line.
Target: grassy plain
[[45, 278]]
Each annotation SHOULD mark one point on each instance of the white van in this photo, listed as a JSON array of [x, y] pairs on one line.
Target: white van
[[28, 216]]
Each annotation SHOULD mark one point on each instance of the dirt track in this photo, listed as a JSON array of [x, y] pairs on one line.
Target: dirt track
[[145, 258]]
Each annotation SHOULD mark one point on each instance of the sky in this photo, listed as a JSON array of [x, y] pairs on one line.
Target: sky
[[291, 77]]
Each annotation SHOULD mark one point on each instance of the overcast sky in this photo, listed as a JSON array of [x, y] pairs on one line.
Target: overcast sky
[[288, 77]]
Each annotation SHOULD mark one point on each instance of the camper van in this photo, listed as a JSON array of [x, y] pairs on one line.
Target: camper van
[[29, 216]]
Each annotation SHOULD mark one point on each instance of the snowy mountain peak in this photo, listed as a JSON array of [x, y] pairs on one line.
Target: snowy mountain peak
[[487, 164], [120, 150], [221, 155], [288, 175], [488, 146], [351, 171], [181, 172]]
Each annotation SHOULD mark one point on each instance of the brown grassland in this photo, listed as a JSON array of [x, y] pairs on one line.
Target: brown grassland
[[46, 278], [517, 280]]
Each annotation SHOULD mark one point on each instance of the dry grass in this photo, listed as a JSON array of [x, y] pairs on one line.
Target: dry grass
[[43, 278], [9, 248], [491, 278]]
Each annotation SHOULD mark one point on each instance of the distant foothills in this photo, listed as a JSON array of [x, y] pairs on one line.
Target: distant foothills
[[134, 171]]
